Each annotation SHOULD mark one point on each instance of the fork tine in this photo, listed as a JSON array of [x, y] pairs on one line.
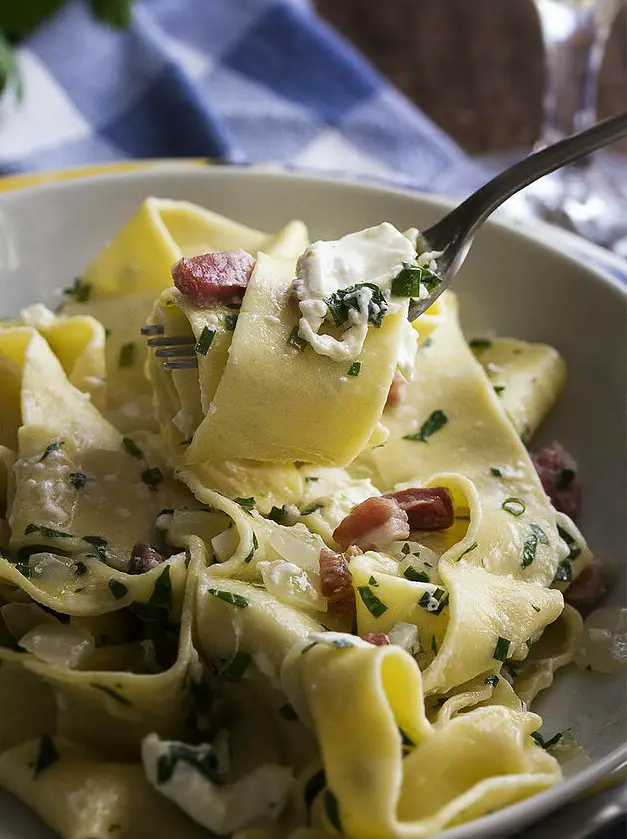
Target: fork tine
[[175, 352], [156, 329], [181, 364], [171, 341]]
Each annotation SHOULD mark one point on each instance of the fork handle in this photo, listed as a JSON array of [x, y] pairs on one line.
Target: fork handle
[[464, 220]]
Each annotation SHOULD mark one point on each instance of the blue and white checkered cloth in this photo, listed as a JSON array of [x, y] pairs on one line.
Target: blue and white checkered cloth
[[240, 81]]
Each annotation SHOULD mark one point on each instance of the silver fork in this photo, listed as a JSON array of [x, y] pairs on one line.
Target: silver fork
[[452, 236], [177, 351]]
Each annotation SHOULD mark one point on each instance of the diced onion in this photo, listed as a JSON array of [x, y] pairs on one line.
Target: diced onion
[[20, 618], [603, 646], [51, 569], [59, 645], [298, 546], [225, 544], [292, 585], [405, 635]]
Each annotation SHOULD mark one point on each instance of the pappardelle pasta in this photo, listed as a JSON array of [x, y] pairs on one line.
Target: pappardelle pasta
[[275, 562]]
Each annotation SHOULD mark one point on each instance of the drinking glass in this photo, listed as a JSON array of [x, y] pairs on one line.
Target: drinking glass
[[579, 197]]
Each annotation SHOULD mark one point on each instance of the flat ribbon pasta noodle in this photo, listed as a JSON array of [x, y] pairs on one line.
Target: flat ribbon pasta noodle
[[27, 705], [80, 796], [122, 281], [527, 377], [388, 770], [266, 383]]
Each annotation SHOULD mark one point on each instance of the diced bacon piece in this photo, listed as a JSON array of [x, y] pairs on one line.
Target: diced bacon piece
[[373, 524], [336, 582], [557, 470], [427, 508], [144, 558], [213, 277], [379, 639], [396, 393], [589, 587]]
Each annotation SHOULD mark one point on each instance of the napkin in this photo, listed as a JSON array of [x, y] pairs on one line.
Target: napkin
[[237, 81]]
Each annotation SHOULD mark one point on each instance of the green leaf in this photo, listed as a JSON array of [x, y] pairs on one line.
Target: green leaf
[[514, 506], [478, 344], [200, 758], [118, 589], [375, 606], [408, 281], [132, 448], [18, 18], [354, 369], [204, 342], [234, 669], [112, 693], [410, 573], [80, 291], [434, 422], [342, 301], [228, 597], [296, 341], [53, 447], [501, 649], [116, 13], [529, 550]]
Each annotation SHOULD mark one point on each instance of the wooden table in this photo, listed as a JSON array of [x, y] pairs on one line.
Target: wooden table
[[474, 66]]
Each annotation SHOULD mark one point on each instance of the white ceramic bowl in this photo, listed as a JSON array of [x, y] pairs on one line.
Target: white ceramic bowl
[[512, 283]]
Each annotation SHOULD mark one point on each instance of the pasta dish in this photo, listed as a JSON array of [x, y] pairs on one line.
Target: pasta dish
[[274, 561]]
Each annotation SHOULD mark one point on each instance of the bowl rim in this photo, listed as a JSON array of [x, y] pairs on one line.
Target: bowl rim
[[539, 235]]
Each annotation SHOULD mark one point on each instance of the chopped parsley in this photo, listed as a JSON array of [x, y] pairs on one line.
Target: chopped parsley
[[204, 342], [405, 549], [541, 535], [99, 544], [132, 448], [308, 647], [152, 477], [53, 447], [565, 477], [494, 470], [128, 353], [155, 613], [514, 506], [354, 369], [535, 608], [529, 550], [296, 341], [230, 322], [574, 548], [345, 300], [501, 649], [228, 597], [234, 669], [78, 480], [410, 573], [479, 344], [281, 515], [246, 503], [200, 758], [46, 756], [313, 508], [112, 693], [434, 601], [373, 582], [310, 478], [46, 532], [548, 744], [375, 606], [467, 551], [498, 389], [492, 680], [436, 420], [411, 277], [434, 645], [80, 291], [564, 573], [118, 589], [342, 643], [287, 712], [249, 557]]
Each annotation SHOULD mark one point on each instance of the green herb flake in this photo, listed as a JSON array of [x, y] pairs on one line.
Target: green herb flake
[[371, 602], [410, 573], [548, 744], [433, 423], [152, 477], [494, 470], [99, 544], [313, 788], [248, 558], [132, 448], [565, 477], [230, 322], [246, 503], [200, 758], [310, 478], [287, 712], [408, 281], [373, 582], [405, 549], [113, 694], [341, 302], [46, 532], [479, 344], [434, 645], [501, 649], [332, 810], [535, 608], [564, 573], [296, 341], [228, 597], [80, 291], [514, 506], [342, 643], [308, 647], [204, 342], [426, 343], [78, 480], [53, 447], [492, 680], [234, 669], [529, 643], [467, 551], [498, 389], [128, 353], [574, 549], [434, 601], [118, 589], [46, 756], [540, 534], [529, 550], [354, 369]]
